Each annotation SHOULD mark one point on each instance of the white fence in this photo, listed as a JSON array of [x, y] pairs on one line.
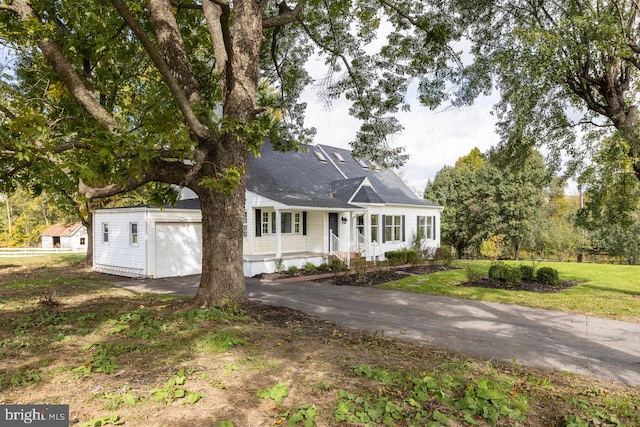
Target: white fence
[[20, 252]]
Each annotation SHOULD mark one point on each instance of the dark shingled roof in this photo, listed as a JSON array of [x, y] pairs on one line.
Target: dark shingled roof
[[300, 179], [367, 195]]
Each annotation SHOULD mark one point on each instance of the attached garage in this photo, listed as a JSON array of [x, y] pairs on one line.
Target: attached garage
[[147, 241], [178, 249]]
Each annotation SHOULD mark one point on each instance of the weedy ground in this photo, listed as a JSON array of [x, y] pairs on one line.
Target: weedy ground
[[69, 336]]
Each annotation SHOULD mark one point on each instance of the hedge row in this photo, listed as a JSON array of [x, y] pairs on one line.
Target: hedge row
[[405, 256], [516, 274]]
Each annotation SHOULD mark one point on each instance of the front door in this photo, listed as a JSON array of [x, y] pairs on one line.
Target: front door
[[333, 227]]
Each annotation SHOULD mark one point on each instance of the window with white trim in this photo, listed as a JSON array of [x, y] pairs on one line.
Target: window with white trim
[[266, 222], [105, 232], [360, 224], [297, 223], [426, 225], [245, 225], [374, 228], [290, 223], [393, 228], [133, 233]]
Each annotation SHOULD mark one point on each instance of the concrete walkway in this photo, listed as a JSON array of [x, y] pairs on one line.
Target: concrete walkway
[[575, 343]]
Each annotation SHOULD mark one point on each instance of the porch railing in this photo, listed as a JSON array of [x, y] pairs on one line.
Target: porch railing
[[339, 249], [367, 248]]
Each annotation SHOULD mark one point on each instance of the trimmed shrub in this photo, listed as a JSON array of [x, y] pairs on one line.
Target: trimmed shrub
[[548, 276], [336, 265], [395, 257], [496, 270], [405, 256], [412, 257], [293, 270], [528, 272], [309, 267], [504, 273], [473, 274], [323, 267], [512, 275]]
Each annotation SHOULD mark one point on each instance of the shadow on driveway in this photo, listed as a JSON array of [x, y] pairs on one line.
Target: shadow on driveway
[[575, 343]]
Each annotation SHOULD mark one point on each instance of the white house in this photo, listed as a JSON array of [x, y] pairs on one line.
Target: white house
[[300, 207], [73, 237]]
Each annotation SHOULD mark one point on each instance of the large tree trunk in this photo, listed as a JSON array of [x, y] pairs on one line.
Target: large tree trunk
[[88, 259], [222, 280]]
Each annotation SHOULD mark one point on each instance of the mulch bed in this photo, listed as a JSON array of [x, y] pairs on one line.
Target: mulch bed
[[373, 278], [378, 277], [525, 285]]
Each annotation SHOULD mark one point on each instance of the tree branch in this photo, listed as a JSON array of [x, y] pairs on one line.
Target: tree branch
[[284, 17], [67, 73], [179, 96], [160, 171], [345, 61], [7, 112], [217, 19], [173, 49]]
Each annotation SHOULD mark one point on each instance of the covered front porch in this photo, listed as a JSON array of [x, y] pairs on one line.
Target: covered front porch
[[285, 236]]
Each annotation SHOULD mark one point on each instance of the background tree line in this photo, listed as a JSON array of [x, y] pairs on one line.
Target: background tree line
[[26, 213], [497, 206]]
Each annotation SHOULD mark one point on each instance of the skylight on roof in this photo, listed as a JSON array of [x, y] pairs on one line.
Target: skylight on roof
[[363, 163], [339, 157], [320, 156]]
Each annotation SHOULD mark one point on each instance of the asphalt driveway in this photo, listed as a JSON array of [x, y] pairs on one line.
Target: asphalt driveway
[[575, 343]]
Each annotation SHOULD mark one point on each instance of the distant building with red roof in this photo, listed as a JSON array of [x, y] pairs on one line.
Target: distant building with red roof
[[64, 236]]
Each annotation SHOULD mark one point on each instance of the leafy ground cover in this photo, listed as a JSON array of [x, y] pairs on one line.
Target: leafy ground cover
[[116, 357], [603, 290]]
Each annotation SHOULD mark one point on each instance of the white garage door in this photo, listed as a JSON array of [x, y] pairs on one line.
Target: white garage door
[[178, 249]]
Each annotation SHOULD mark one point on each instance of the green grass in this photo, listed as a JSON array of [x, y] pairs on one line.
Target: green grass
[[603, 290], [116, 356]]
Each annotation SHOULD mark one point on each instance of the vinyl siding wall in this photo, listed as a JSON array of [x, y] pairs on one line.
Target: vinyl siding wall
[[118, 255], [410, 215]]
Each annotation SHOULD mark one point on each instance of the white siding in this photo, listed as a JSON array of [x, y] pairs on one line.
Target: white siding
[[316, 232], [75, 240], [118, 255], [170, 241], [47, 242], [410, 224]]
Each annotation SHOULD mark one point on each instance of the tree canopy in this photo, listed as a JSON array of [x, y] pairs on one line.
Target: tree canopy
[[488, 196], [567, 71], [109, 96]]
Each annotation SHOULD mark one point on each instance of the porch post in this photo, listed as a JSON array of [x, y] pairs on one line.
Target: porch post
[[278, 234]]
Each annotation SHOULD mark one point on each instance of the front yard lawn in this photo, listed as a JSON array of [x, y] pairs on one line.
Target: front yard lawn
[[67, 336], [603, 290]]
